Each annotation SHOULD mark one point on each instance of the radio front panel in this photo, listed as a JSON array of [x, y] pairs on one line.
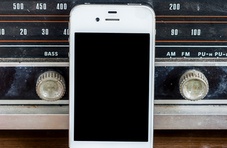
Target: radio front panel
[[34, 67], [191, 42], [190, 72]]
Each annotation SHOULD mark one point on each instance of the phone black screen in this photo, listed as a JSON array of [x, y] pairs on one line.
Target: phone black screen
[[111, 87]]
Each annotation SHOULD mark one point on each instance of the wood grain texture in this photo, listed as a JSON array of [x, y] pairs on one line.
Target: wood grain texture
[[190, 139], [33, 139], [162, 139]]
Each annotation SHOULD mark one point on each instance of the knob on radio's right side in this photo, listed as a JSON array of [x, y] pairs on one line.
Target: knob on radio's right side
[[193, 85]]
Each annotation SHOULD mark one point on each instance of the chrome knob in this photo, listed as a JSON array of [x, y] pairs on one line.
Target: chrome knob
[[193, 85], [50, 86]]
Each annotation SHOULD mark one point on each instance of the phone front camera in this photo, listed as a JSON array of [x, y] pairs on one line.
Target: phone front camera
[[97, 19]]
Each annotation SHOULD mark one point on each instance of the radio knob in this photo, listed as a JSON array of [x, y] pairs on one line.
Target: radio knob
[[193, 85], [50, 86]]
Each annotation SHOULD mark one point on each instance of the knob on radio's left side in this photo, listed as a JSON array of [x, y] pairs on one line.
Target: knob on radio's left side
[[50, 86]]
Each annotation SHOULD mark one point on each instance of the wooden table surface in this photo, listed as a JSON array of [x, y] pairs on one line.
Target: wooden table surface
[[162, 139]]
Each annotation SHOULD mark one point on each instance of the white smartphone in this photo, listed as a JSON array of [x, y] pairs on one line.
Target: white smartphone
[[111, 76]]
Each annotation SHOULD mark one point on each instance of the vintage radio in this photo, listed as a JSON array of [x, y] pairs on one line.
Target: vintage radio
[[34, 64], [190, 73], [190, 77]]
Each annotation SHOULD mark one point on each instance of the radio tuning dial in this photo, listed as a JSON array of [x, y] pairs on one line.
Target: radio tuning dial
[[193, 85], [50, 86]]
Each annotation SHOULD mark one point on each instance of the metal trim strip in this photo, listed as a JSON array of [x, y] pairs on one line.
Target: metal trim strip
[[201, 102], [34, 122], [195, 63], [165, 117], [34, 64], [191, 117], [35, 102]]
